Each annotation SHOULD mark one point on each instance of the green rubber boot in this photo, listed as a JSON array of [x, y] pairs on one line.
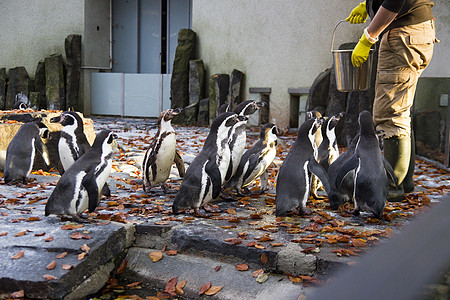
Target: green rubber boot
[[397, 152]]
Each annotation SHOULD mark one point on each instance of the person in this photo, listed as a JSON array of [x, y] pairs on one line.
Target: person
[[406, 29]]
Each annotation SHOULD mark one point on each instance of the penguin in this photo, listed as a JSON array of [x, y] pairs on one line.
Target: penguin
[[239, 136], [328, 150], [21, 151], [21, 101], [256, 160], [294, 177], [73, 142], [318, 138], [344, 193], [79, 188], [204, 177], [161, 154], [371, 170]]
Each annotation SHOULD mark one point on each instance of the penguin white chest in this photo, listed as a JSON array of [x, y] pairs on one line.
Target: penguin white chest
[[164, 158], [65, 153]]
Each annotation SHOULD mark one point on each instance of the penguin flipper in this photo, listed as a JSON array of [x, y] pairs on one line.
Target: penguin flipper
[[213, 172], [316, 169], [351, 164], [390, 171], [42, 149], [180, 164], [90, 185], [252, 162]]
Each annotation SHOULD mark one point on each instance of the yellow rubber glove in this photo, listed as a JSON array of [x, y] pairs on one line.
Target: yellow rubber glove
[[361, 51], [358, 14]]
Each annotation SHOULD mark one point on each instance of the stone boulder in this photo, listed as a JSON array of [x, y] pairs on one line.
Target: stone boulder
[[203, 112], [39, 85], [218, 93], [19, 82], [196, 81], [179, 85], [73, 56], [425, 128], [318, 93], [235, 93], [190, 114], [54, 82], [2, 88]]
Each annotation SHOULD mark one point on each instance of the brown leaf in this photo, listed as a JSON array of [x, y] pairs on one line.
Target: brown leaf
[[18, 255], [358, 243], [179, 287], [67, 266], [49, 239], [62, 255], [295, 279], [155, 256], [39, 234], [49, 277], [264, 258], [242, 267], [231, 211], [3, 234], [122, 267], [204, 288], [258, 272], [134, 284], [217, 268], [76, 236], [18, 294], [277, 244], [265, 238], [170, 286], [181, 284], [85, 248], [21, 233], [233, 241], [71, 226], [171, 252], [31, 219], [213, 290], [51, 265], [81, 255], [389, 232]]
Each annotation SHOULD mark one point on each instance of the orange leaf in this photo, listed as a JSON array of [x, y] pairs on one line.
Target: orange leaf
[[67, 266], [62, 255], [134, 284], [231, 211], [233, 241], [81, 255], [242, 267], [18, 294], [264, 258], [3, 234], [85, 248], [155, 256], [277, 244], [295, 279], [258, 272], [51, 265], [171, 252], [179, 287], [21, 233], [39, 234], [122, 267], [389, 232], [213, 290], [204, 288], [71, 226], [49, 277], [49, 239], [76, 236], [18, 255], [265, 238], [358, 243]]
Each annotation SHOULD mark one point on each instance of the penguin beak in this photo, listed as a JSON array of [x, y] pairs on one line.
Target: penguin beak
[[261, 104], [55, 119], [176, 111], [242, 118]]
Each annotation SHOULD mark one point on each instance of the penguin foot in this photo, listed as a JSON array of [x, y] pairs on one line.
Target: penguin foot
[[81, 219], [210, 208], [355, 212], [317, 197], [304, 211], [167, 190], [227, 197], [198, 214]]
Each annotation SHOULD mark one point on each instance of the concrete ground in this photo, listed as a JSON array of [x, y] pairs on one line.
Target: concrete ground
[[135, 247]]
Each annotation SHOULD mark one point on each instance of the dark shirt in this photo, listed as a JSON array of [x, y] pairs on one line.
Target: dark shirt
[[409, 11]]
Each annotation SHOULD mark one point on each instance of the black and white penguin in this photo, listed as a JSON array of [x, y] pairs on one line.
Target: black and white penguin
[[256, 160], [73, 142], [161, 154], [318, 138], [343, 193], [328, 150], [238, 137], [294, 177], [204, 177], [371, 170], [21, 101], [21, 151], [79, 188]]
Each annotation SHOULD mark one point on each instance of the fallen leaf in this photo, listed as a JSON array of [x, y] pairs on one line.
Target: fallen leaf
[[18, 294], [213, 290], [81, 255], [49, 277], [31, 219], [359, 243], [179, 287], [122, 267], [21, 233], [233, 241], [264, 258], [204, 288], [231, 211], [39, 234], [19, 254], [277, 244], [85, 248], [155, 256], [262, 278], [242, 267], [49, 239], [67, 266], [171, 252], [389, 232], [71, 226], [51, 265], [217, 268], [134, 284], [3, 234], [76, 236], [295, 279], [62, 255], [258, 272]]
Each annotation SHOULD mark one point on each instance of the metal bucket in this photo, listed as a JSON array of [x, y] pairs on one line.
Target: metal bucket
[[348, 77]]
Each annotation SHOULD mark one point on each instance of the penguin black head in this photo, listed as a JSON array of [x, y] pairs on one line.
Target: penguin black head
[[68, 118], [169, 114], [366, 124], [248, 107], [44, 132], [313, 114], [105, 138]]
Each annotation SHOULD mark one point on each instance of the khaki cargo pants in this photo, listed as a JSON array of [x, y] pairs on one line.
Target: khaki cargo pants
[[404, 53]]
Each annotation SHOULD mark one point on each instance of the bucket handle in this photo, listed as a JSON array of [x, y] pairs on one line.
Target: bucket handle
[[334, 31]]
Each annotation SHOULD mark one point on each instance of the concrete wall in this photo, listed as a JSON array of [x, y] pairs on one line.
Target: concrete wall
[[284, 44], [34, 29]]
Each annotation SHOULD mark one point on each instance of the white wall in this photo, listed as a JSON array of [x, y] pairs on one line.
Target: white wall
[[34, 29], [279, 44]]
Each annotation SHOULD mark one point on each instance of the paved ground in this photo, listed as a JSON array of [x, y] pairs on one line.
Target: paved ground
[[216, 249]]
